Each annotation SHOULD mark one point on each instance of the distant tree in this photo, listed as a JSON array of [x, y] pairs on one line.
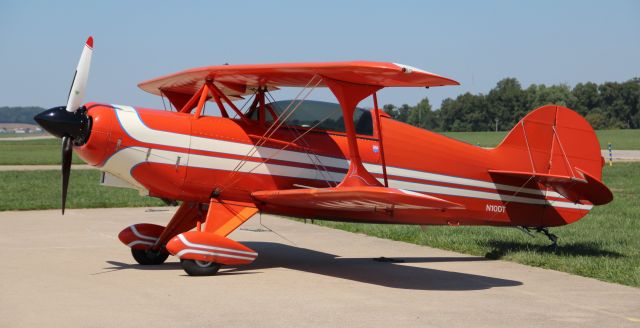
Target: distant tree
[[630, 94], [403, 113], [597, 119], [507, 102], [466, 113], [540, 95], [391, 110], [620, 102], [19, 114], [586, 98], [422, 116]]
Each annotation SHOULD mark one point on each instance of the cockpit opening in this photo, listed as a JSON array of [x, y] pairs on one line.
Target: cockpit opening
[[321, 114]]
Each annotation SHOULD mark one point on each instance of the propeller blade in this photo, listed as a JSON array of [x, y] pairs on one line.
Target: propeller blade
[[66, 167], [76, 93]]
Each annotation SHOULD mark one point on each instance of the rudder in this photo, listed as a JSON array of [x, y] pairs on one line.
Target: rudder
[[559, 148]]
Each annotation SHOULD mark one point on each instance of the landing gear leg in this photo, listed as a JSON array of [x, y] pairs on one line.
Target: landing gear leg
[[552, 237]]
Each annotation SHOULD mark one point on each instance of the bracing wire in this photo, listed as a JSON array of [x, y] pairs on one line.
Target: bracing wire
[[273, 128], [282, 149], [164, 105], [515, 194], [260, 141], [277, 234], [317, 163]]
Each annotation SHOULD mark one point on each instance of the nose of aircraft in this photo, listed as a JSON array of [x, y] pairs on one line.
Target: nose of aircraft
[[71, 122], [73, 128], [61, 123]]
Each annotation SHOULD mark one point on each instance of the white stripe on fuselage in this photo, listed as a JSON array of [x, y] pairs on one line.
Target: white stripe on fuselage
[[136, 155], [133, 125]]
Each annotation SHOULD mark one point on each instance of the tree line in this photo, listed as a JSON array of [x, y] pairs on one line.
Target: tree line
[[610, 105], [19, 114]]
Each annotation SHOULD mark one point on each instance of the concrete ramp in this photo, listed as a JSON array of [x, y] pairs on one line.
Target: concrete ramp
[[72, 271]]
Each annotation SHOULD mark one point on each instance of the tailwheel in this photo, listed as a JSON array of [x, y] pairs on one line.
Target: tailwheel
[[200, 268], [149, 257]]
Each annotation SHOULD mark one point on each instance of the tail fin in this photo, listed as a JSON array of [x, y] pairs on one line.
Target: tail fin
[[558, 148]]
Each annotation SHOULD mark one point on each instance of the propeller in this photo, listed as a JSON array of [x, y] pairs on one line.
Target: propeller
[[70, 122], [66, 168], [76, 92]]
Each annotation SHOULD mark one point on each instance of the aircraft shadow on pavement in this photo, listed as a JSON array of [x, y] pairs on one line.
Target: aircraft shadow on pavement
[[364, 270]]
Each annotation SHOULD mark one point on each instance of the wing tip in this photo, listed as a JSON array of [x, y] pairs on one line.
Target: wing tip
[[90, 42]]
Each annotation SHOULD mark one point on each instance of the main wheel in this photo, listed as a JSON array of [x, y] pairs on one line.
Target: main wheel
[[148, 257], [200, 268]]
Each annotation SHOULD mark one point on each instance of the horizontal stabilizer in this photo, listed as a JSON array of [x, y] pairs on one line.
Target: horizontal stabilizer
[[581, 187], [354, 199]]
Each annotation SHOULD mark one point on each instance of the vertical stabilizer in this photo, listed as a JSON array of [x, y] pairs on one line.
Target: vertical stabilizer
[[559, 149]]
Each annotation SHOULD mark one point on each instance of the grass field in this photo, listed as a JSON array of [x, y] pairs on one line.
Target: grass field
[[21, 135], [620, 139], [34, 190], [604, 245], [40, 151]]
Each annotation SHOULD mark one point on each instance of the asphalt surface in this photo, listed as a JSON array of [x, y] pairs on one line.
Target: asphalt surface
[[621, 155], [72, 271]]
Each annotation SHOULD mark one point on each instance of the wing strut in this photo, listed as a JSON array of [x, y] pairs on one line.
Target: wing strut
[[349, 95], [379, 126], [207, 91], [359, 191]]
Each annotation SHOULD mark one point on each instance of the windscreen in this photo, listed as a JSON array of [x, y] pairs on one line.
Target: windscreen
[[310, 112]]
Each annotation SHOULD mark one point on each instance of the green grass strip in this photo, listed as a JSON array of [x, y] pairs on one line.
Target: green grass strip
[[38, 190]]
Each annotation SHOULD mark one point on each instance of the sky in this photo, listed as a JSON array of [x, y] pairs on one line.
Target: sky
[[474, 42]]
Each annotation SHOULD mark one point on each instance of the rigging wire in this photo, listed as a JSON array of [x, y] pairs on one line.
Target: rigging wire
[[317, 163], [256, 145], [282, 149], [277, 234], [163, 103], [265, 137], [514, 195], [272, 129], [244, 105]]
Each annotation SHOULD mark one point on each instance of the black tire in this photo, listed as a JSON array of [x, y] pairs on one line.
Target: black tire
[[145, 257], [200, 268]]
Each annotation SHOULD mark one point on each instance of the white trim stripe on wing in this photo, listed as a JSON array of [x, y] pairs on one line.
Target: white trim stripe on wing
[[139, 242], [141, 236], [214, 248], [196, 251]]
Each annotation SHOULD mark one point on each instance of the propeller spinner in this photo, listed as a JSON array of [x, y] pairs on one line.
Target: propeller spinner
[[70, 122]]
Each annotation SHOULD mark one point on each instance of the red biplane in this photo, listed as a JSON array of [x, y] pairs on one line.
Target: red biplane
[[313, 159]]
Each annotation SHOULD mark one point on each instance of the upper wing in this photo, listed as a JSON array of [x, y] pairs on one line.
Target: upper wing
[[238, 80]]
